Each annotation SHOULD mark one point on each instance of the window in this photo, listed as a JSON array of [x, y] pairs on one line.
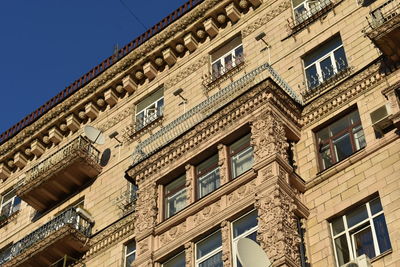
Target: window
[[130, 253], [325, 62], [175, 196], [176, 261], [227, 57], [245, 226], [241, 154], [209, 251], [304, 10], [10, 204], [340, 139], [207, 174], [361, 231], [302, 245], [149, 109], [5, 254]]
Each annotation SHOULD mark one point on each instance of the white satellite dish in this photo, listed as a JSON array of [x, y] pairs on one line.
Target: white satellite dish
[[250, 254], [94, 135]]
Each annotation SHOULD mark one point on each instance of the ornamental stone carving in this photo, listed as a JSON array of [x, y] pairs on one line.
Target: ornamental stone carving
[[190, 173], [146, 208], [225, 244], [189, 253], [277, 233], [268, 137], [222, 158]]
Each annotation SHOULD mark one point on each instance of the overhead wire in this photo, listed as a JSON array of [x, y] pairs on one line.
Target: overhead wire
[[133, 14]]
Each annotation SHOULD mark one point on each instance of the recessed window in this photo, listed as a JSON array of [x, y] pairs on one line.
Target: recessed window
[[175, 196], [149, 109], [10, 204], [304, 10], [176, 261], [227, 57], [5, 254], [130, 253], [325, 62], [241, 156], [209, 251], [245, 226], [361, 231], [340, 139], [207, 174]]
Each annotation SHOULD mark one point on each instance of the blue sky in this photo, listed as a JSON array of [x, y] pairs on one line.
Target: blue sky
[[47, 44]]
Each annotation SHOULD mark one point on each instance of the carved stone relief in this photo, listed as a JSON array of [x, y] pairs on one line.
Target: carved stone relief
[[225, 244], [172, 234], [146, 208], [189, 254]]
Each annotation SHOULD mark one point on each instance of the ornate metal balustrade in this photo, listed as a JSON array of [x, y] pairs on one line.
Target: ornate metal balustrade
[[64, 170], [70, 220], [206, 108], [383, 14]]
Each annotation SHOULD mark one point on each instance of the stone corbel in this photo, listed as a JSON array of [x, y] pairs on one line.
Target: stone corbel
[[232, 12], [20, 160], [91, 111], [110, 97], [4, 172], [255, 3], [190, 42], [223, 163], [55, 136], [210, 27], [73, 123], [149, 70], [129, 84], [169, 56], [37, 148]]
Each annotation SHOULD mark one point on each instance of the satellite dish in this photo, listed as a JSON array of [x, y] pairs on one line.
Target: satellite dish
[[94, 135], [105, 157], [250, 254]]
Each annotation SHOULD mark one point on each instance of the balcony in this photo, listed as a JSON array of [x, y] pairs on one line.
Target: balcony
[[384, 29], [60, 174], [66, 234]]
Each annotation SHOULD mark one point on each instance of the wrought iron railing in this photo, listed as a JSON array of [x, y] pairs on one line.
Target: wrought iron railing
[[205, 109], [141, 123], [310, 9], [126, 202], [79, 144], [384, 13], [70, 217]]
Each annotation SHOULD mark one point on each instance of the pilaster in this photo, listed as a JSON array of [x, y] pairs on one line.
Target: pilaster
[[223, 164]]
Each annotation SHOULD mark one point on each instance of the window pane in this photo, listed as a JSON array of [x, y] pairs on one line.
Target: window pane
[[130, 247], [176, 202], [238, 55], [326, 157], [375, 205], [240, 145], [359, 138], [208, 183], [342, 147], [6, 209], [207, 166], [354, 117], [244, 224], [177, 261], [129, 260], [326, 68], [174, 185], [342, 249], [363, 243], [339, 126], [209, 244], [242, 162], [323, 135], [338, 226], [312, 76], [382, 233], [356, 216], [217, 69], [228, 62], [213, 261], [340, 59]]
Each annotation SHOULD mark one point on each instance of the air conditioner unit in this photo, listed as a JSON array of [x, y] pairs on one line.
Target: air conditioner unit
[[381, 118], [361, 261]]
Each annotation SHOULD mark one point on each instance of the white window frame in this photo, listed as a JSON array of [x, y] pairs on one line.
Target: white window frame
[[236, 239], [12, 201], [317, 63], [300, 17], [126, 254], [210, 254], [350, 236], [221, 59], [147, 115]]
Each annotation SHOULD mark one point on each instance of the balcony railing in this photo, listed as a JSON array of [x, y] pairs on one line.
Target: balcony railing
[[60, 174], [384, 13], [205, 109], [70, 218], [141, 123], [126, 202]]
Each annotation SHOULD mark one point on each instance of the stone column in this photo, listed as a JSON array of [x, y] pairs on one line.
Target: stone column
[[223, 163], [277, 233]]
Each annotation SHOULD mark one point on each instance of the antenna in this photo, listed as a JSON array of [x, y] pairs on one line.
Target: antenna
[[94, 135], [250, 254]]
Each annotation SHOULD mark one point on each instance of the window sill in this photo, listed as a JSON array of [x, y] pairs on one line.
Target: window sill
[[10, 218], [310, 94], [382, 255]]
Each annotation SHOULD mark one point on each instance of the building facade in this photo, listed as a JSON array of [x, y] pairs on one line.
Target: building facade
[[276, 120]]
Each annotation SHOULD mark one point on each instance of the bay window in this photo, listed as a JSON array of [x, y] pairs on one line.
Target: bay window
[[325, 62], [209, 251], [241, 155], [340, 139], [360, 231], [208, 178], [175, 196], [149, 109]]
